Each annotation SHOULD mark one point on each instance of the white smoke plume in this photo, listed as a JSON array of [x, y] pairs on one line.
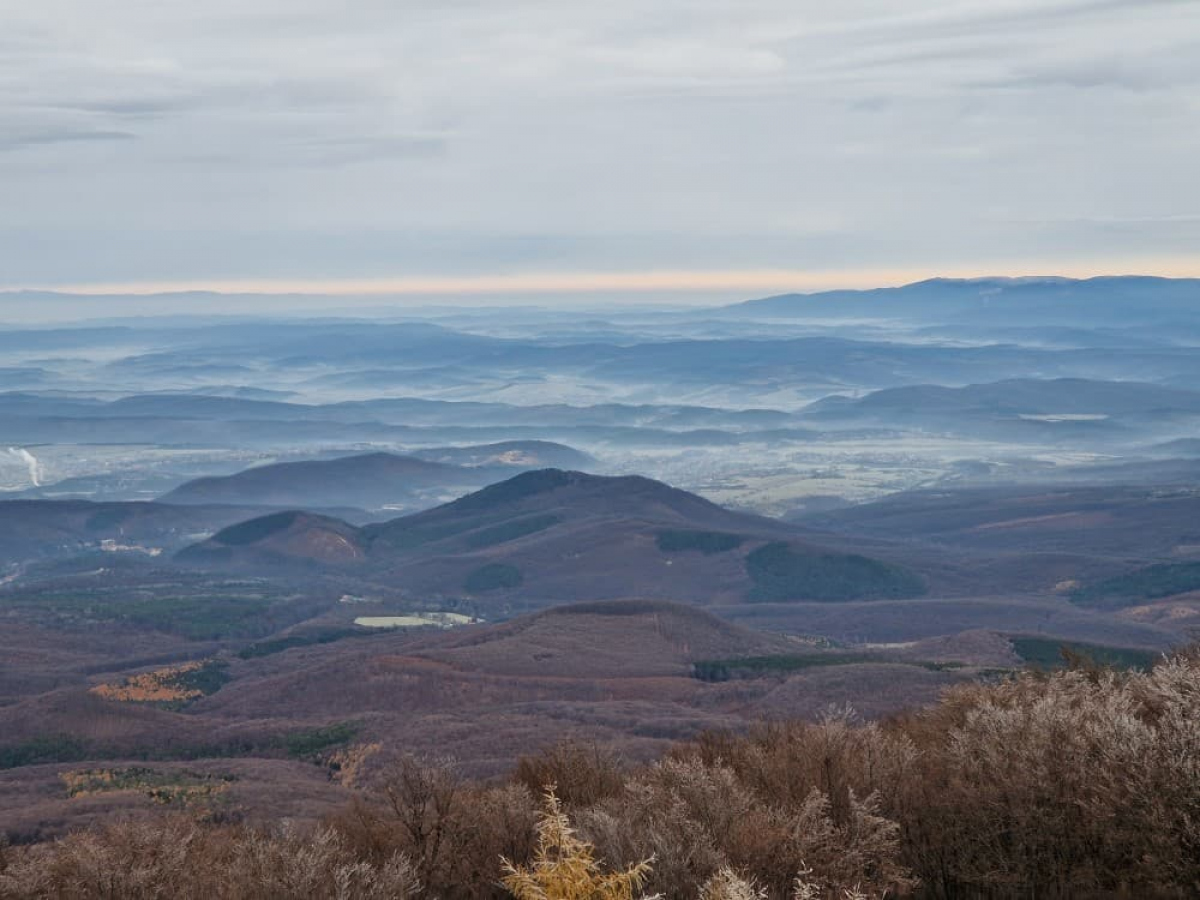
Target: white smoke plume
[[35, 467]]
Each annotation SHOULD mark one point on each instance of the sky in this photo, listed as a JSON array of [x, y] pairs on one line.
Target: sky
[[468, 147]]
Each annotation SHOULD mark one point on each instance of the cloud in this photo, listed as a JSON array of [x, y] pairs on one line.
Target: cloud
[[1165, 70], [19, 141], [289, 139], [128, 107], [348, 150]]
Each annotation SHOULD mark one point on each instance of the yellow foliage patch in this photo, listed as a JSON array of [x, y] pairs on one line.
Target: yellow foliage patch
[[164, 788], [565, 868], [347, 763], [159, 686]]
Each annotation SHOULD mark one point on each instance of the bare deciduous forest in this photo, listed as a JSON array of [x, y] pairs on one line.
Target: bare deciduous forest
[[1078, 783]]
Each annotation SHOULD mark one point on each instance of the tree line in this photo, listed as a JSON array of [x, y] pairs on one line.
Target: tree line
[[1083, 782]]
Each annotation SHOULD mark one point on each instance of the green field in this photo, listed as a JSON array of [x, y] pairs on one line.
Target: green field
[[309, 743], [706, 542], [297, 743], [193, 607], [782, 573], [765, 666], [1047, 653], [1150, 583], [279, 645]]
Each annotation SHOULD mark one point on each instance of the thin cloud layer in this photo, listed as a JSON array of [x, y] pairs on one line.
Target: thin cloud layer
[[161, 142]]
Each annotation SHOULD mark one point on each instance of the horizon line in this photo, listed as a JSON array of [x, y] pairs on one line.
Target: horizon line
[[671, 281]]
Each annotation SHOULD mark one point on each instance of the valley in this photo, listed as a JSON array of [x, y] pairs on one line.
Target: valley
[[269, 558]]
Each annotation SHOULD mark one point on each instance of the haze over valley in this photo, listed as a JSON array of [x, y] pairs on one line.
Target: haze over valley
[[901, 489], [573, 451]]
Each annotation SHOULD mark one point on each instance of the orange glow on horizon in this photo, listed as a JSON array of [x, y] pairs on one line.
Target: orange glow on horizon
[[666, 282]]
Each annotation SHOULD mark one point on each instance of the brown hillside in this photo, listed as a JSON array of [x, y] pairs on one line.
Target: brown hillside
[[549, 536], [281, 539], [634, 638]]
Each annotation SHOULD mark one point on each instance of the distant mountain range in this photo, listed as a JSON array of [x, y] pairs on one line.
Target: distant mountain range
[[375, 481], [1019, 409], [370, 481], [188, 419], [1002, 301], [1113, 521], [764, 352]]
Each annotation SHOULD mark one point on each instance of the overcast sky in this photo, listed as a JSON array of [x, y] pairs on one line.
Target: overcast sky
[[436, 144]]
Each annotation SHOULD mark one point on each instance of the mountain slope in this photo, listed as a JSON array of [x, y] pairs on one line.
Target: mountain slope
[[552, 536], [1066, 301], [32, 529], [1021, 409], [292, 539], [1116, 522], [571, 496], [603, 640], [1066, 396], [593, 653], [370, 481]]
